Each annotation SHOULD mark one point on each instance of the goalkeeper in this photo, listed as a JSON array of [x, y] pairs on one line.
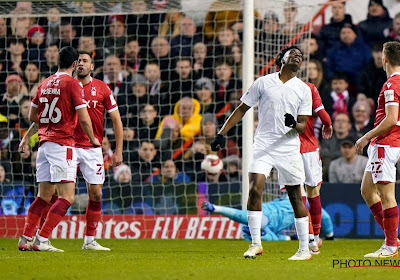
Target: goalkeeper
[[277, 216]]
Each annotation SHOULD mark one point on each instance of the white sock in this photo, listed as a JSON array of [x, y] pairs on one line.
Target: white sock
[[316, 238], [88, 239], [302, 232], [254, 219], [42, 239], [216, 208], [311, 240]]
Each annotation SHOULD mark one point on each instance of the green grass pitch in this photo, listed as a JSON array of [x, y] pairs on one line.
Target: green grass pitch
[[188, 259]]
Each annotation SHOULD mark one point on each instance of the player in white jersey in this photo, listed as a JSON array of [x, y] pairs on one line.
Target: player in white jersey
[[284, 104]]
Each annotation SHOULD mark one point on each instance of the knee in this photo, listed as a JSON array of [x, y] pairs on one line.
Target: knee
[[365, 193], [254, 193], [95, 196]]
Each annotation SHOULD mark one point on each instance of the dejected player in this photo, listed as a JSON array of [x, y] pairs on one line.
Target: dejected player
[[378, 184], [284, 106], [55, 108]]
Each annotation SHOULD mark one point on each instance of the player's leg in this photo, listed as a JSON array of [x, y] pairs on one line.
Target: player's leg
[[46, 209], [390, 214], [370, 195], [35, 211], [254, 213], [315, 210], [314, 249]]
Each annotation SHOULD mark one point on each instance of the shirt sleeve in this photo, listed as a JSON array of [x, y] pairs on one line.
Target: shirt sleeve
[[253, 95], [109, 101], [35, 100], [305, 108], [391, 94], [77, 95]]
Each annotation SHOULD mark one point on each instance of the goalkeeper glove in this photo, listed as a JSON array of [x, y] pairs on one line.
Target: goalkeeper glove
[[217, 143], [290, 121]]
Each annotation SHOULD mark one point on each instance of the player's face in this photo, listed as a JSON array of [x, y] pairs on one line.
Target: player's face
[[85, 66], [295, 59]]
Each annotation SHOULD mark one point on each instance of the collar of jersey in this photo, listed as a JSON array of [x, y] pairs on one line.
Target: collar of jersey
[[61, 73], [395, 73]]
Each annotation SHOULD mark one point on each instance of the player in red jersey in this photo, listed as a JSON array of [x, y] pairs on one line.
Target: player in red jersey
[[56, 107], [378, 184], [99, 99], [309, 150]]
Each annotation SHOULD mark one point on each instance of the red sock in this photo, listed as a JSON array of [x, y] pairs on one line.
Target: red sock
[[56, 213], [376, 210], [33, 217], [45, 211], [315, 213], [390, 224], [93, 214]]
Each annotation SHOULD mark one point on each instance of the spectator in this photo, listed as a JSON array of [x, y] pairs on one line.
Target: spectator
[[153, 75], [393, 33], [3, 36], [290, 26], [50, 66], [52, 23], [23, 115], [36, 43], [160, 52], [187, 114], [362, 118], [88, 24], [233, 167], [122, 174], [146, 163], [148, 122], [20, 24], [182, 44], [337, 100], [32, 78], [67, 34], [372, 76], [349, 56], [170, 138], [193, 158], [236, 53], [170, 174], [16, 57], [349, 168], [9, 139], [330, 148], [208, 133], [3, 174], [202, 64], [9, 103], [225, 40], [316, 76], [88, 44], [107, 153], [130, 145], [226, 82], [329, 34], [204, 94], [310, 48], [131, 58], [377, 21], [213, 169], [141, 24], [115, 43], [170, 27], [270, 39]]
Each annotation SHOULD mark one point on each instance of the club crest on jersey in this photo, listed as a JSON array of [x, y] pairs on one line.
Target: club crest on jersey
[[93, 91]]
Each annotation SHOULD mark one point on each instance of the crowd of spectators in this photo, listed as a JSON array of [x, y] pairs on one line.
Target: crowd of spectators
[[176, 82]]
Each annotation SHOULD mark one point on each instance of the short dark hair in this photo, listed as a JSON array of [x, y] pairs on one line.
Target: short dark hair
[[67, 56], [52, 45], [16, 40], [391, 50], [279, 56], [340, 76], [228, 60], [183, 58], [132, 38], [87, 53]]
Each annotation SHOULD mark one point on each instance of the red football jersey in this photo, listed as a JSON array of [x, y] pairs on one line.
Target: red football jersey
[[308, 141], [57, 99], [98, 99], [389, 95]]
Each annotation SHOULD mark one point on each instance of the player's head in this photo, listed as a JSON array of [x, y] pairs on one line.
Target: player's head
[[68, 58], [85, 64], [291, 56], [391, 54]]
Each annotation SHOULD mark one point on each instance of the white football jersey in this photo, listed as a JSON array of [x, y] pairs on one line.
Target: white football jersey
[[275, 99]]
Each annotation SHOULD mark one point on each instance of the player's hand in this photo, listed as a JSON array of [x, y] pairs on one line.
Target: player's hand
[[95, 142], [290, 121], [116, 159], [360, 144], [327, 131], [22, 145], [217, 143]]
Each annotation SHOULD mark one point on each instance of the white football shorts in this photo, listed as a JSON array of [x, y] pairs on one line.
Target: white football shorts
[[289, 166], [382, 163], [91, 164], [313, 168], [56, 163]]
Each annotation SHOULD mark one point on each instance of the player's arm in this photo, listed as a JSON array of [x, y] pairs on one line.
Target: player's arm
[[327, 129], [234, 118], [301, 123], [392, 113], [118, 131], [86, 125], [33, 114], [25, 140]]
